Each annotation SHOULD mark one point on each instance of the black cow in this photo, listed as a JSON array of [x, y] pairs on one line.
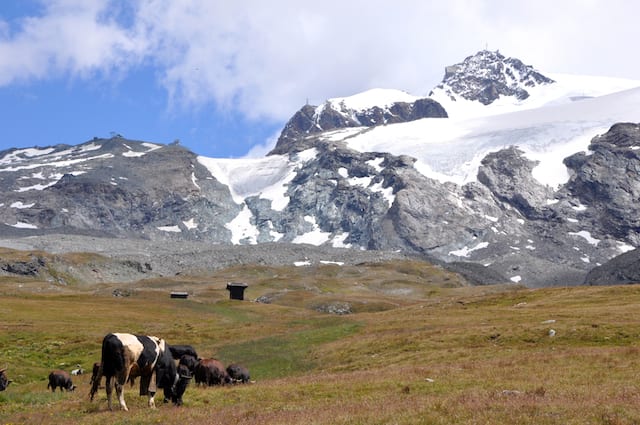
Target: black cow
[[125, 356], [238, 373], [177, 351], [181, 386], [189, 361], [4, 380], [62, 379]]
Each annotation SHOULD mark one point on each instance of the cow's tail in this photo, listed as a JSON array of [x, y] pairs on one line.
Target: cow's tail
[[96, 382], [112, 360]]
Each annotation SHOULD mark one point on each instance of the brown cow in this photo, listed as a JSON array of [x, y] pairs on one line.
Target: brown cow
[[211, 372]]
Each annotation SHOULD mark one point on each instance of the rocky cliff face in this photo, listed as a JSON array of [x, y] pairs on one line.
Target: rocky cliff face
[[607, 180]]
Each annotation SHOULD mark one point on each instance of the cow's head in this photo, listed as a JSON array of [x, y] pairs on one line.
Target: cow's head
[[189, 361], [173, 380], [4, 381]]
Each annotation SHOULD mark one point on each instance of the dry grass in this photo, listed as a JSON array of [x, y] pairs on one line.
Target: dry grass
[[441, 353]]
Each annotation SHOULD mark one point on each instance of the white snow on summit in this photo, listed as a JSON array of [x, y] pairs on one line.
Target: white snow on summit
[[381, 98]]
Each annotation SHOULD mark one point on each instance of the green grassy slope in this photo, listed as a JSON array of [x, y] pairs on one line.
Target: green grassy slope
[[420, 347]]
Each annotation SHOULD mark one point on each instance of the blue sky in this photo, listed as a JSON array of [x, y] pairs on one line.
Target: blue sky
[[224, 77]]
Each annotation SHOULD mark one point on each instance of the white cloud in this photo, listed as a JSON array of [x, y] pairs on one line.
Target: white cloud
[[265, 59], [69, 37]]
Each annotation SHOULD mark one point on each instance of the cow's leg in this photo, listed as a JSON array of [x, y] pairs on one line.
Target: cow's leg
[[108, 384], [121, 379], [152, 390], [120, 393]]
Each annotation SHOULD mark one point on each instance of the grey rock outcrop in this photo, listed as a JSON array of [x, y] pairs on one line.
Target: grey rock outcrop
[[607, 180], [508, 175]]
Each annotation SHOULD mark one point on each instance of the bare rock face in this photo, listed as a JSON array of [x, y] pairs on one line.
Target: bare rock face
[[508, 175], [608, 181]]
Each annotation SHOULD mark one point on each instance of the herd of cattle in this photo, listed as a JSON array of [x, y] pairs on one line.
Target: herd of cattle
[[126, 357]]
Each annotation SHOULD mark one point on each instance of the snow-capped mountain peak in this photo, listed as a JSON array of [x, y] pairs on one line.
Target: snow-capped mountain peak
[[487, 76], [489, 83]]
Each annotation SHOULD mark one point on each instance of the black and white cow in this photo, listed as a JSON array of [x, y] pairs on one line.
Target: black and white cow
[[4, 380], [125, 356]]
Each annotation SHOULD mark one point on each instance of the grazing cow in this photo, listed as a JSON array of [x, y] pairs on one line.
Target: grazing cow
[[62, 379], [238, 373], [189, 361], [178, 351], [211, 372], [125, 356], [181, 386], [4, 380]]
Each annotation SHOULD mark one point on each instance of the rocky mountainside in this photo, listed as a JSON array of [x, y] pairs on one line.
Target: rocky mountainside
[[375, 172]]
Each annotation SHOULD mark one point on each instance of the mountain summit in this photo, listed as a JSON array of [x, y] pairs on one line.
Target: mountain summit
[[486, 76]]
